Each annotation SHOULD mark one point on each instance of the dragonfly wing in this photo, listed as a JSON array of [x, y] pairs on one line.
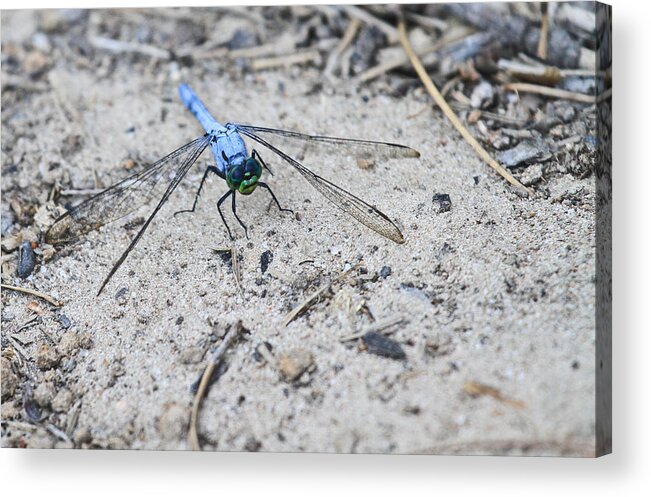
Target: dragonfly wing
[[126, 196], [365, 213], [361, 149]]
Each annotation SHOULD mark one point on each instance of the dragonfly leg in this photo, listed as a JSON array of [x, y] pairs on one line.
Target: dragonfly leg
[[209, 169], [256, 155], [268, 188], [246, 231], [221, 214]]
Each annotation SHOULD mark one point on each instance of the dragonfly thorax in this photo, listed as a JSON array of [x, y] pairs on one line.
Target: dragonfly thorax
[[244, 176]]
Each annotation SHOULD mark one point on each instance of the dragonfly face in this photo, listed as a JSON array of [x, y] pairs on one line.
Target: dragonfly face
[[244, 176]]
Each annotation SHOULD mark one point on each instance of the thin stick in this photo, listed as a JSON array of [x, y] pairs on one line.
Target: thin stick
[[449, 113], [349, 35], [366, 17], [205, 380], [313, 56], [489, 115], [235, 259], [294, 313], [380, 327], [428, 22], [544, 33], [80, 192], [36, 293], [235, 264], [557, 93], [57, 432], [390, 65], [267, 355]]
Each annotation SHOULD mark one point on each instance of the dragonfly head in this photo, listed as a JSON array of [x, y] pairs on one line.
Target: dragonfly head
[[244, 176]]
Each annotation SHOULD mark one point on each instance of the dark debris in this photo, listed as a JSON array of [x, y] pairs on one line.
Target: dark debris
[[378, 344]]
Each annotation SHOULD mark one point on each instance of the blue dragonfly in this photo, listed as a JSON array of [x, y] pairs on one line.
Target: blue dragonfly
[[241, 171]]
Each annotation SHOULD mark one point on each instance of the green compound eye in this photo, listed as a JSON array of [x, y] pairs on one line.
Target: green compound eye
[[244, 177]]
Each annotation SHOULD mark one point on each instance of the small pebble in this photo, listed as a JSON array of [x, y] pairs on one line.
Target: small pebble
[[9, 381], [524, 152], [26, 259], [265, 259], [294, 363], [122, 292], [62, 401], [501, 142], [173, 422], [7, 220], [10, 243], [46, 357], [378, 344], [44, 394], [70, 343], [385, 272], [579, 84], [532, 175], [442, 202], [565, 112], [82, 435], [252, 445], [30, 406], [191, 355], [482, 96], [69, 365], [41, 42], [242, 39], [35, 63], [64, 321], [368, 41]]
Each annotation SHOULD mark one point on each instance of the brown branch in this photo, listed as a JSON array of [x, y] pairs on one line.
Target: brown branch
[[449, 113], [36, 293]]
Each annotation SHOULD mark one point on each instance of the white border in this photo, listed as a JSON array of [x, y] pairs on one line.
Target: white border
[[626, 472]]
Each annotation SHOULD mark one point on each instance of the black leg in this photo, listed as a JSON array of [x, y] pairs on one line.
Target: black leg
[[209, 169], [268, 188], [219, 208], [256, 155], [246, 231]]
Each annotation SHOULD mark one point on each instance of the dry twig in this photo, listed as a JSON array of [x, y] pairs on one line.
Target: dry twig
[[296, 311], [379, 327], [558, 93], [216, 358], [475, 389], [235, 262], [368, 18], [544, 32], [349, 35], [36, 293], [449, 113], [309, 56], [448, 39]]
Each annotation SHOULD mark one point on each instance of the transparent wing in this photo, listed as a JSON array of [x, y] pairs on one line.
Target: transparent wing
[[365, 213], [362, 149], [126, 196]]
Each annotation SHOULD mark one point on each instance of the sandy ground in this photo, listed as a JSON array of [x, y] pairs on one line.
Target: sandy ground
[[497, 294]]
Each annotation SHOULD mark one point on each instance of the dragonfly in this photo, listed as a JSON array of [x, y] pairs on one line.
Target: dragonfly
[[241, 171]]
